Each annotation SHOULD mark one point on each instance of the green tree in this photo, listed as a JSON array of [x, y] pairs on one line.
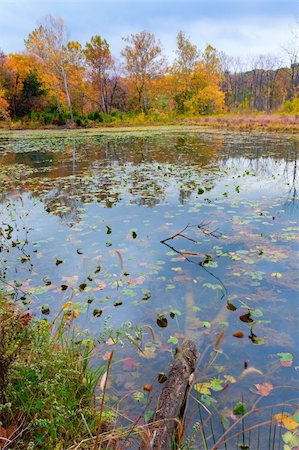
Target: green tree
[[32, 91]]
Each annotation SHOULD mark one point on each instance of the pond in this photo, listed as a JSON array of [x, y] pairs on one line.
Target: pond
[[151, 238]]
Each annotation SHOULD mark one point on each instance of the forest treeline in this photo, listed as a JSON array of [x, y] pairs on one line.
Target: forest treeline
[[55, 81]]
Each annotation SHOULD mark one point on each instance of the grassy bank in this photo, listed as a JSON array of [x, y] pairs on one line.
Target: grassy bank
[[228, 121], [47, 389]]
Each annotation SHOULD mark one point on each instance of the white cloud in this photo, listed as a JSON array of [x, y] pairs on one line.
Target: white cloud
[[237, 33]]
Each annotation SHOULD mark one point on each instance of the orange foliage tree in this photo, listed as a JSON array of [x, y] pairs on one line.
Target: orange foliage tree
[[22, 71], [4, 107], [143, 62]]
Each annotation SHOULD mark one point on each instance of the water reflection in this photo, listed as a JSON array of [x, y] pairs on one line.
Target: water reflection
[[102, 206]]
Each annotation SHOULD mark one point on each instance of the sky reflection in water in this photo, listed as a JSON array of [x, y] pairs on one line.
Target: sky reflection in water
[[107, 202]]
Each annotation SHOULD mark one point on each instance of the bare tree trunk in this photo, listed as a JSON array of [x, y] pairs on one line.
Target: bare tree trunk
[[103, 103], [145, 106], [57, 100], [67, 93]]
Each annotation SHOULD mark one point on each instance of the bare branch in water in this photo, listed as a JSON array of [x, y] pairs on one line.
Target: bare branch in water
[[205, 230]]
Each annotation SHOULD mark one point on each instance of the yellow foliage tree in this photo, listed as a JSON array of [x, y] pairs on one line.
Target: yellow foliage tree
[[4, 107], [196, 78], [206, 100], [205, 94]]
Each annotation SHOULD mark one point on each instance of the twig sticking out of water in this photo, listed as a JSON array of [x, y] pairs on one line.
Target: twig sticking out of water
[[204, 228]]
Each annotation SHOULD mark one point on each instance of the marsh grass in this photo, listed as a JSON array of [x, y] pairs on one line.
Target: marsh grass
[[47, 385]]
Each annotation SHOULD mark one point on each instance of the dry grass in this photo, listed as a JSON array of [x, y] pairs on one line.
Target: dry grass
[[227, 121], [249, 122]]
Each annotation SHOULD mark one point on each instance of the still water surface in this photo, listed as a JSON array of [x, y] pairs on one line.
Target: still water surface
[[91, 212]]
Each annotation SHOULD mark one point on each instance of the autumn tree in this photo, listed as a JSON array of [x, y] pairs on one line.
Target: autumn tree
[[49, 42], [182, 69], [187, 53], [100, 63], [3, 58], [199, 90], [4, 107], [143, 62], [206, 82], [76, 72], [20, 73]]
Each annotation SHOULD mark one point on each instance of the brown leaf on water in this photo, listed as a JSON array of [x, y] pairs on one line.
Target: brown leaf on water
[[147, 387], [106, 356], [246, 318], [97, 312], [230, 306], [238, 334], [162, 321], [161, 377]]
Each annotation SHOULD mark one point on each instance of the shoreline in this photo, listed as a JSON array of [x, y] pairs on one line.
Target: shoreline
[[225, 122]]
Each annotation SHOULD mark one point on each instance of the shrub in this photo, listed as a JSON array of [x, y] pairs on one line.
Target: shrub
[[291, 106], [47, 118], [96, 116], [61, 119]]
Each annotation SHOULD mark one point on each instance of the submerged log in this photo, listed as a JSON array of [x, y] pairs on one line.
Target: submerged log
[[172, 401]]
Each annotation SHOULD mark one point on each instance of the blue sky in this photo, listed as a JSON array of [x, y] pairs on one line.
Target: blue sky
[[238, 27]]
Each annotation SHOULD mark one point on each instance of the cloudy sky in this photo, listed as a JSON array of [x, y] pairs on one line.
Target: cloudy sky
[[238, 27]]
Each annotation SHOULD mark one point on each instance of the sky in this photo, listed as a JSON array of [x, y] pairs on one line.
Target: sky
[[237, 27]]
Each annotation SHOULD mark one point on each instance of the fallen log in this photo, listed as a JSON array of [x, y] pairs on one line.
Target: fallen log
[[172, 400]]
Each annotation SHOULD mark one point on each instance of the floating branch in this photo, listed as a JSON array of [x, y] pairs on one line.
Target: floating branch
[[187, 254]]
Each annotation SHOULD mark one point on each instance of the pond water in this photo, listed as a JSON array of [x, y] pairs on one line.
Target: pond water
[[89, 217]]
